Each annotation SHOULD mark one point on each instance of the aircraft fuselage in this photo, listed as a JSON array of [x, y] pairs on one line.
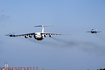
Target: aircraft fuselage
[[93, 31], [38, 36]]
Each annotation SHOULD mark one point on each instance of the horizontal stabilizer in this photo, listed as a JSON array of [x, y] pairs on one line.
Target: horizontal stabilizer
[[44, 26]]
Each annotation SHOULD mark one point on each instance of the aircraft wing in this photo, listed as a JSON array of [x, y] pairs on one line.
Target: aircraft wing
[[25, 34], [98, 31], [12, 35], [53, 34], [88, 31]]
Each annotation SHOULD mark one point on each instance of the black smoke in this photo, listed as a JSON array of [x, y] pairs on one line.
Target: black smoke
[[101, 37], [85, 46]]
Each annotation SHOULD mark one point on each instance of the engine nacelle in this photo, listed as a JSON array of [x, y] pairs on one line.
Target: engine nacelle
[[30, 36], [50, 35], [26, 36], [45, 35]]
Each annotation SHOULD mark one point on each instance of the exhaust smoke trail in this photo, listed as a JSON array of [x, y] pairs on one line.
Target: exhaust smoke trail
[[101, 37], [84, 46], [89, 47], [44, 42], [67, 43]]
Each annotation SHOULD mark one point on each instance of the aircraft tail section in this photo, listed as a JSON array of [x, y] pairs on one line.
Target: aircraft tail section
[[43, 27]]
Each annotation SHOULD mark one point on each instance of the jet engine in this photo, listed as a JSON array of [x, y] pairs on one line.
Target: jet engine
[[50, 35], [26, 36], [45, 35], [35, 36], [30, 36]]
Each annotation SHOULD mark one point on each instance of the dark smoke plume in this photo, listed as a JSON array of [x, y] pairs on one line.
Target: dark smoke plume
[[101, 37], [89, 47], [43, 42]]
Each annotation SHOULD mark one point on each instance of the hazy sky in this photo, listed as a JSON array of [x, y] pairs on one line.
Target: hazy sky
[[79, 50]]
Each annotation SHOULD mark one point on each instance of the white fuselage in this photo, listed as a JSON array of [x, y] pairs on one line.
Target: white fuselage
[[93, 31], [38, 36]]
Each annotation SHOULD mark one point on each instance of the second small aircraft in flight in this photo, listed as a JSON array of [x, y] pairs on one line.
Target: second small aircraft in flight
[[37, 35], [93, 31]]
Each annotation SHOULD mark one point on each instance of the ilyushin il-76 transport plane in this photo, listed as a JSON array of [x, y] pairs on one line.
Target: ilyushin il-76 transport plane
[[37, 35], [93, 31]]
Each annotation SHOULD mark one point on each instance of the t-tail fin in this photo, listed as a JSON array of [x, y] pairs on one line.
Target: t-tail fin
[[43, 27]]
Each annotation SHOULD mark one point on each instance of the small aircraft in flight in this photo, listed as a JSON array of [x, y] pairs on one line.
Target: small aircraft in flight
[[93, 31], [37, 35]]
